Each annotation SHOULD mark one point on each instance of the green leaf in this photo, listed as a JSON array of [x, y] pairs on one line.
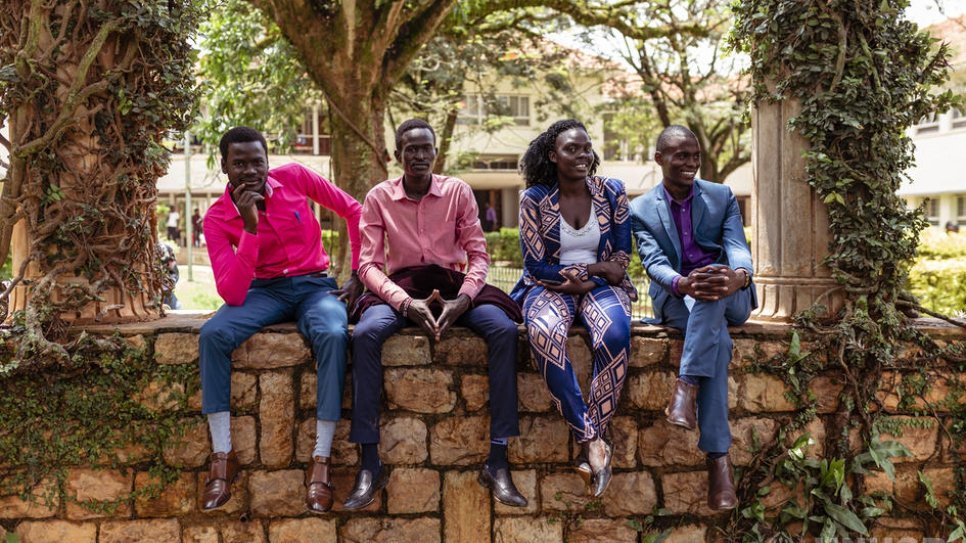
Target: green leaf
[[958, 533], [846, 518]]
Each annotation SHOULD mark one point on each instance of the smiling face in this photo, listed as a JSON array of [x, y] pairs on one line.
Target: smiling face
[[573, 153], [680, 161], [417, 152], [246, 164]]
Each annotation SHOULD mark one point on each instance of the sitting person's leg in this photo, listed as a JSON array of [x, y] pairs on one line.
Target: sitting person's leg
[[501, 335], [219, 337], [605, 312], [376, 325], [548, 316], [322, 319]]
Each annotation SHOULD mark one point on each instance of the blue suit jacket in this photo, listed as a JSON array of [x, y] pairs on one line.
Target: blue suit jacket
[[716, 221]]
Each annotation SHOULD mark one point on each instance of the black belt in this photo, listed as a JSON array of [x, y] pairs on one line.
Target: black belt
[[319, 274]]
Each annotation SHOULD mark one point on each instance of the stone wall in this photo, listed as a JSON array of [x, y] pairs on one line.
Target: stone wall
[[434, 437]]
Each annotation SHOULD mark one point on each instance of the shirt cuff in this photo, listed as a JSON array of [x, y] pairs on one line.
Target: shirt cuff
[[674, 286]]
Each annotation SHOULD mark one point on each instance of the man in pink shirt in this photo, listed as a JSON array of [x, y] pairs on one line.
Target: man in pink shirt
[[266, 252], [424, 231]]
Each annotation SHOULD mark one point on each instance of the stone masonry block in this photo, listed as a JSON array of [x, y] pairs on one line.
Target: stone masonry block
[[686, 493], [422, 390], [343, 452], [42, 503], [277, 493], [176, 349], [56, 531], [190, 450], [750, 434], [475, 391], [403, 441], [542, 439], [177, 498], [564, 492], [602, 530], [625, 433], [300, 530], [662, 444], [920, 439], [647, 351], [533, 394], [765, 393], [466, 507], [276, 413], [413, 491], [97, 486], [630, 494], [650, 391], [140, 531], [469, 350], [461, 440], [268, 350], [405, 350], [390, 530], [527, 530]]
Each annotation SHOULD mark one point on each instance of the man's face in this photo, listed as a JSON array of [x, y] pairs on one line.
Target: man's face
[[246, 164], [680, 161], [417, 152]]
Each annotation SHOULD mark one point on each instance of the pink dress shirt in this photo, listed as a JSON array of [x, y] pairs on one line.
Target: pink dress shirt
[[441, 228], [289, 239]]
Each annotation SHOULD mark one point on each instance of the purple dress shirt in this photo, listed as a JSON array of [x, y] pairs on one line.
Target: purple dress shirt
[[692, 255]]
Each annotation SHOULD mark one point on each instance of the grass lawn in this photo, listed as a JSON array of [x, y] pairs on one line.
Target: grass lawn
[[199, 293]]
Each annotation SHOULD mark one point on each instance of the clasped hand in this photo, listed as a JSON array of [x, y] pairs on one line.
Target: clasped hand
[[711, 283], [420, 312], [570, 285]]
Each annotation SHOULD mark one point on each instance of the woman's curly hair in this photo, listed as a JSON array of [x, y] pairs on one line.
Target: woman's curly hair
[[535, 166]]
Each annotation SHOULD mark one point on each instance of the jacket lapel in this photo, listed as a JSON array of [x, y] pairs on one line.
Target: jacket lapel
[[601, 215], [698, 207], [664, 212]]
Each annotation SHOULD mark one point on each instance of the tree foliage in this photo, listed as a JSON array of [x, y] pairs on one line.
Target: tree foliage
[[88, 91]]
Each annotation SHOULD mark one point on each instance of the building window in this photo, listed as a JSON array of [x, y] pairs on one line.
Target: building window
[[961, 210], [475, 108], [928, 124], [932, 211], [496, 162]]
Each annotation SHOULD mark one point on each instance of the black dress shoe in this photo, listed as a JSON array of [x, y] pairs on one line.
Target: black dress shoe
[[501, 486], [366, 487]]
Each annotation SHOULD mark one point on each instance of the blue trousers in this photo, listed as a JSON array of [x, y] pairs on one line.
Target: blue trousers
[[379, 322], [320, 316], [605, 312], [707, 353]]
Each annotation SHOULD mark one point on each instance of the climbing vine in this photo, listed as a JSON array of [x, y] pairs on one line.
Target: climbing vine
[[862, 75], [88, 90]]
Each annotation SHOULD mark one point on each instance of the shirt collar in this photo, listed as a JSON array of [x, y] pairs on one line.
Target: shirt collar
[[398, 191], [671, 198]]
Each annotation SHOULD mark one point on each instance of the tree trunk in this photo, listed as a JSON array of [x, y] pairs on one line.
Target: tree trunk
[[445, 140]]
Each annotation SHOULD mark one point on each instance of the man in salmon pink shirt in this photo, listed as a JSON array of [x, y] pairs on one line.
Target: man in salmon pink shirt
[[424, 262], [266, 252]]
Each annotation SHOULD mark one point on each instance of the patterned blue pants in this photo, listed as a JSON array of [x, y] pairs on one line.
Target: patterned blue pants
[[605, 312]]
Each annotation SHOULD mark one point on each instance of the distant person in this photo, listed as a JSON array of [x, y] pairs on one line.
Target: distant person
[[196, 228], [266, 253], [576, 240], [692, 244], [423, 249], [489, 217], [169, 267], [173, 221], [952, 228]]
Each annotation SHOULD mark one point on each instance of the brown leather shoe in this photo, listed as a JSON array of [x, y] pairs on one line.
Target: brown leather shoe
[[222, 472], [682, 410], [318, 485], [721, 484]]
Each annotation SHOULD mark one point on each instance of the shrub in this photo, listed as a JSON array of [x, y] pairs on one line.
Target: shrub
[[504, 246], [934, 244], [940, 285]]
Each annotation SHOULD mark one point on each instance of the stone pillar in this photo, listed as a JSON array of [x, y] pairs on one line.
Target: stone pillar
[[790, 234]]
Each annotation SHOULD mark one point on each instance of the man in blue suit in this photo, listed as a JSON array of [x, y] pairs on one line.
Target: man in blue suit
[[689, 235]]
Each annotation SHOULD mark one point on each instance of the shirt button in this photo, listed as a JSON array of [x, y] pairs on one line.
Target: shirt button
[[285, 270]]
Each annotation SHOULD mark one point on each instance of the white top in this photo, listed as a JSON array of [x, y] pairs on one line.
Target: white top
[[173, 218], [579, 246]]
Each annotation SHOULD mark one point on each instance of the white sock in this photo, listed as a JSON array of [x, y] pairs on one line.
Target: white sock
[[220, 426], [324, 432]]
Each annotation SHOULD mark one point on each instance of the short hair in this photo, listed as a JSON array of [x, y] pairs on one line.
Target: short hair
[[413, 124], [671, 133], [535, 166], [240, 134]]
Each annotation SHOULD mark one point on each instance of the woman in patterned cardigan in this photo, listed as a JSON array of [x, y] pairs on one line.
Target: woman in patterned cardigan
[[576, 242]]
